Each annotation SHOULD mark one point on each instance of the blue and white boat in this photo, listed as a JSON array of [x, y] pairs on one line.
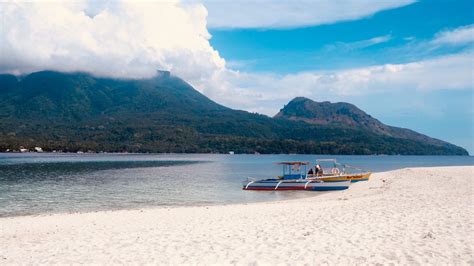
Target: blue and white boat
[[294, 177]]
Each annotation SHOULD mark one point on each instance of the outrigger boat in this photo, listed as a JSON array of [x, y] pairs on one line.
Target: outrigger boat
[[339, 172], [294, 177]]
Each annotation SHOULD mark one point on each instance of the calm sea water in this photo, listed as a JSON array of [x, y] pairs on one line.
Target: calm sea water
[[54, 183]]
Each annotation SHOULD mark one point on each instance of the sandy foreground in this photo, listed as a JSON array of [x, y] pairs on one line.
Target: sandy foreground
[[408, 216]]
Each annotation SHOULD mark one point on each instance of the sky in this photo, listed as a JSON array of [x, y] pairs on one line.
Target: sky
[[407, 63]]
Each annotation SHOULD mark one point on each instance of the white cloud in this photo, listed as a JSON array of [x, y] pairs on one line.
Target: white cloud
[[284, 14], [359, 44], [266, 93], [372, 41], [458, 36], [117, 38]]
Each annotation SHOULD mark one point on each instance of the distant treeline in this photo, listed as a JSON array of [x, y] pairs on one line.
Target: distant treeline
[[186, 140]]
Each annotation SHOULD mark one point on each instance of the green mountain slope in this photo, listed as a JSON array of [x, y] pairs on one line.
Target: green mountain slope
[[345, 115], [77, 111]]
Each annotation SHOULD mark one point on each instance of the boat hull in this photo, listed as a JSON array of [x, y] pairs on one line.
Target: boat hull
[[351, 177], [362, 177], [302, 184]]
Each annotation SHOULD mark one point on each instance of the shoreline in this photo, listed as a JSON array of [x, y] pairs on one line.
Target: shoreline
[[316, 194], [406, 216], [223, 153]]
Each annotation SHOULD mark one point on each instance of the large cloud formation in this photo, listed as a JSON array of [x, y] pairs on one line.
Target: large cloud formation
[[119, 39]]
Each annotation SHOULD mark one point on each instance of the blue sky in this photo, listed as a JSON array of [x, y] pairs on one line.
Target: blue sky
[[329, 46], [395, 36]]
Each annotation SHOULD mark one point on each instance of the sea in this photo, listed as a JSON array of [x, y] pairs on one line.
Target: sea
[[47, 183]]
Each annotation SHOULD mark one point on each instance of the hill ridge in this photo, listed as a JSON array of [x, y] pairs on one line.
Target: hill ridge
[[78, 111], [343, 114]]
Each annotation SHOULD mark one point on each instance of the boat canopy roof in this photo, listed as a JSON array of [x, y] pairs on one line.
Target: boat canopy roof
[[326, 160], [294, 163]]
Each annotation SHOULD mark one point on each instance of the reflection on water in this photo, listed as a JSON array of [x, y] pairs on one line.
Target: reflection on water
[[56, 171], [50, 183]]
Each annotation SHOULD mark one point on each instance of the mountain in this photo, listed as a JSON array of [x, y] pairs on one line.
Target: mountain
[[77, 111], [345, 115]]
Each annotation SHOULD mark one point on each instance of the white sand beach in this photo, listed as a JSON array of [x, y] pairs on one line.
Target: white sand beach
[[408, 216]]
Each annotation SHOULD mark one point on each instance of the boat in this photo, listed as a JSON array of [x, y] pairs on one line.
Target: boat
[[337, 172], [294, 177]]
